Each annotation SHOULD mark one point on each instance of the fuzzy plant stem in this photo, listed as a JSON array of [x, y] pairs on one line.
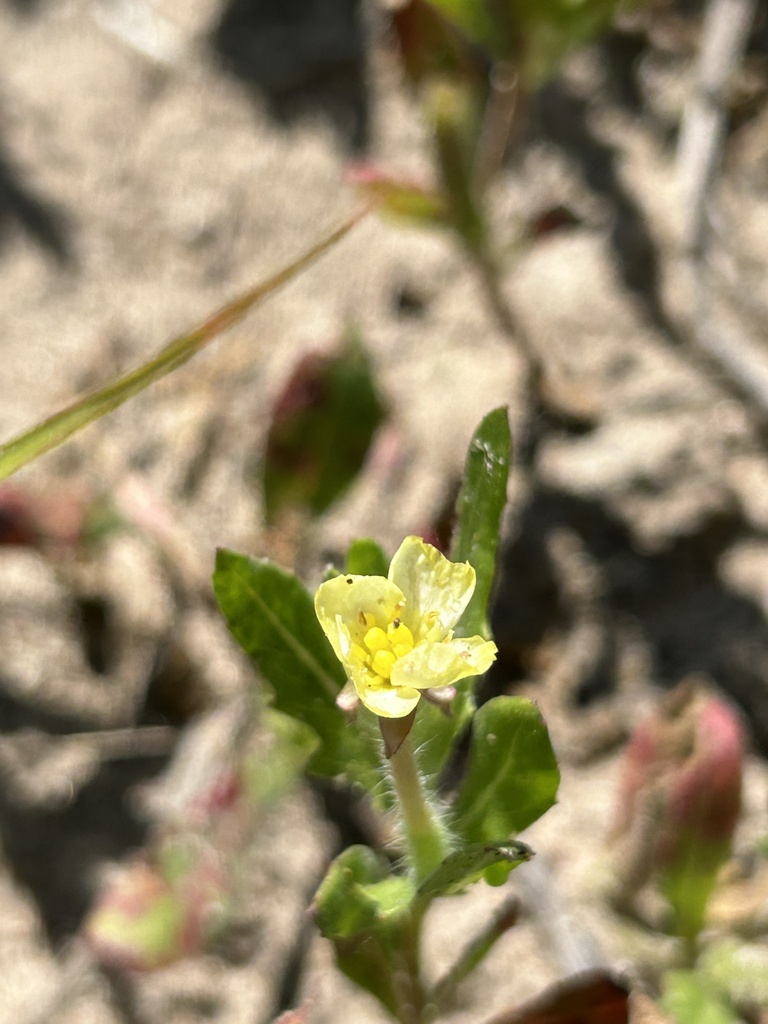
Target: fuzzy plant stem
[[426, 837]]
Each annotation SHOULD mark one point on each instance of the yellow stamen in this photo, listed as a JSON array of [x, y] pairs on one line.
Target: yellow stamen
[[359, 654], [399, 634], [382, 663], [376, 640]]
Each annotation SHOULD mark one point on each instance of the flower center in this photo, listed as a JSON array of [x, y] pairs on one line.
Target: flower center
[[382, 647]]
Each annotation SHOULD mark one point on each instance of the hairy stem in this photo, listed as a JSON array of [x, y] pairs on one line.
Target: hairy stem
[[426, 837]]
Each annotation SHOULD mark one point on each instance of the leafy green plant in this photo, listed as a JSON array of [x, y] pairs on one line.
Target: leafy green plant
[[388, 699]]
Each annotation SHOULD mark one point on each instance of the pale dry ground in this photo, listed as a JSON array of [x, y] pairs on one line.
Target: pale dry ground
[[178, 191]]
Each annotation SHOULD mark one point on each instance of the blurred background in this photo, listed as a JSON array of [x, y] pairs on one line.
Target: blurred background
[[157, 157]]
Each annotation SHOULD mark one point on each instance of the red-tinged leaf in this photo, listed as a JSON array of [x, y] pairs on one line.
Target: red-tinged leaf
[[432, 43], [594, 997], [159, 910], [400, 198], [18, 525], [551, 220], [322, 427]]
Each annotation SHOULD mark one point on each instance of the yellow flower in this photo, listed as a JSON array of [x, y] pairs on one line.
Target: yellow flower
[[394, 636]]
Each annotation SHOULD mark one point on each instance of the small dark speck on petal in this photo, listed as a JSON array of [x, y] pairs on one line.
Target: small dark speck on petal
[[350, 581]]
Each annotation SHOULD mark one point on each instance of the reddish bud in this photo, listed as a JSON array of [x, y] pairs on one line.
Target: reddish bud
[[680, 797]]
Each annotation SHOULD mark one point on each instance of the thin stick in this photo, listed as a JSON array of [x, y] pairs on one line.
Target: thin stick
[[725, 33], [505, 918]]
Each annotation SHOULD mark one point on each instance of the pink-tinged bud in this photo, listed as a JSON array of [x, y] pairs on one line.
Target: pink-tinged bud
[[156, 913], [680, 798], [704, 796]]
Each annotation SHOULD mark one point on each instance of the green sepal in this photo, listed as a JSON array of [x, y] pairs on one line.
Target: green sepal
[[479, 509], [466, 866], [512, 777]]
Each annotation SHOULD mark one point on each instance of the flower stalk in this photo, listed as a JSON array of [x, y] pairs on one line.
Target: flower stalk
[[426, 837]]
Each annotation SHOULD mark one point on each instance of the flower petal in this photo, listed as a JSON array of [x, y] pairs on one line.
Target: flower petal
[[392, 702], [346, 600], [441, 664], [436, 590]]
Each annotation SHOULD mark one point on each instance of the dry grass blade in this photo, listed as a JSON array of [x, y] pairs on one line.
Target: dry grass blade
[[26, 447]]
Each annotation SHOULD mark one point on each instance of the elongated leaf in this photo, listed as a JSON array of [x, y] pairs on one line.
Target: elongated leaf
[[479, 508], [57, 428], [358, 893], [550, 28], [271, 615], [467, 865], [512, 777]]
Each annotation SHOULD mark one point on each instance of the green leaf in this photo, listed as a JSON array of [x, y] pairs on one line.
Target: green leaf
[[57, 428], [737, 969], [342, 905], [512, 777], [366, 558], [464, 867], [271, 774], [691, 1000], [362, 909], [479, 509], [272, 617], [471, 16], [322, 427], [435, 730], [690, 880], [550, 28], [535, 35]]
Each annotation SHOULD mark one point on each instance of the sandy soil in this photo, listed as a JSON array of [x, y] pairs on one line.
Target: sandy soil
[[153, 162]]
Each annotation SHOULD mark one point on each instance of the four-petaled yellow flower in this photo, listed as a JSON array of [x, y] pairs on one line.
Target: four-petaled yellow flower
[[394, 636]]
